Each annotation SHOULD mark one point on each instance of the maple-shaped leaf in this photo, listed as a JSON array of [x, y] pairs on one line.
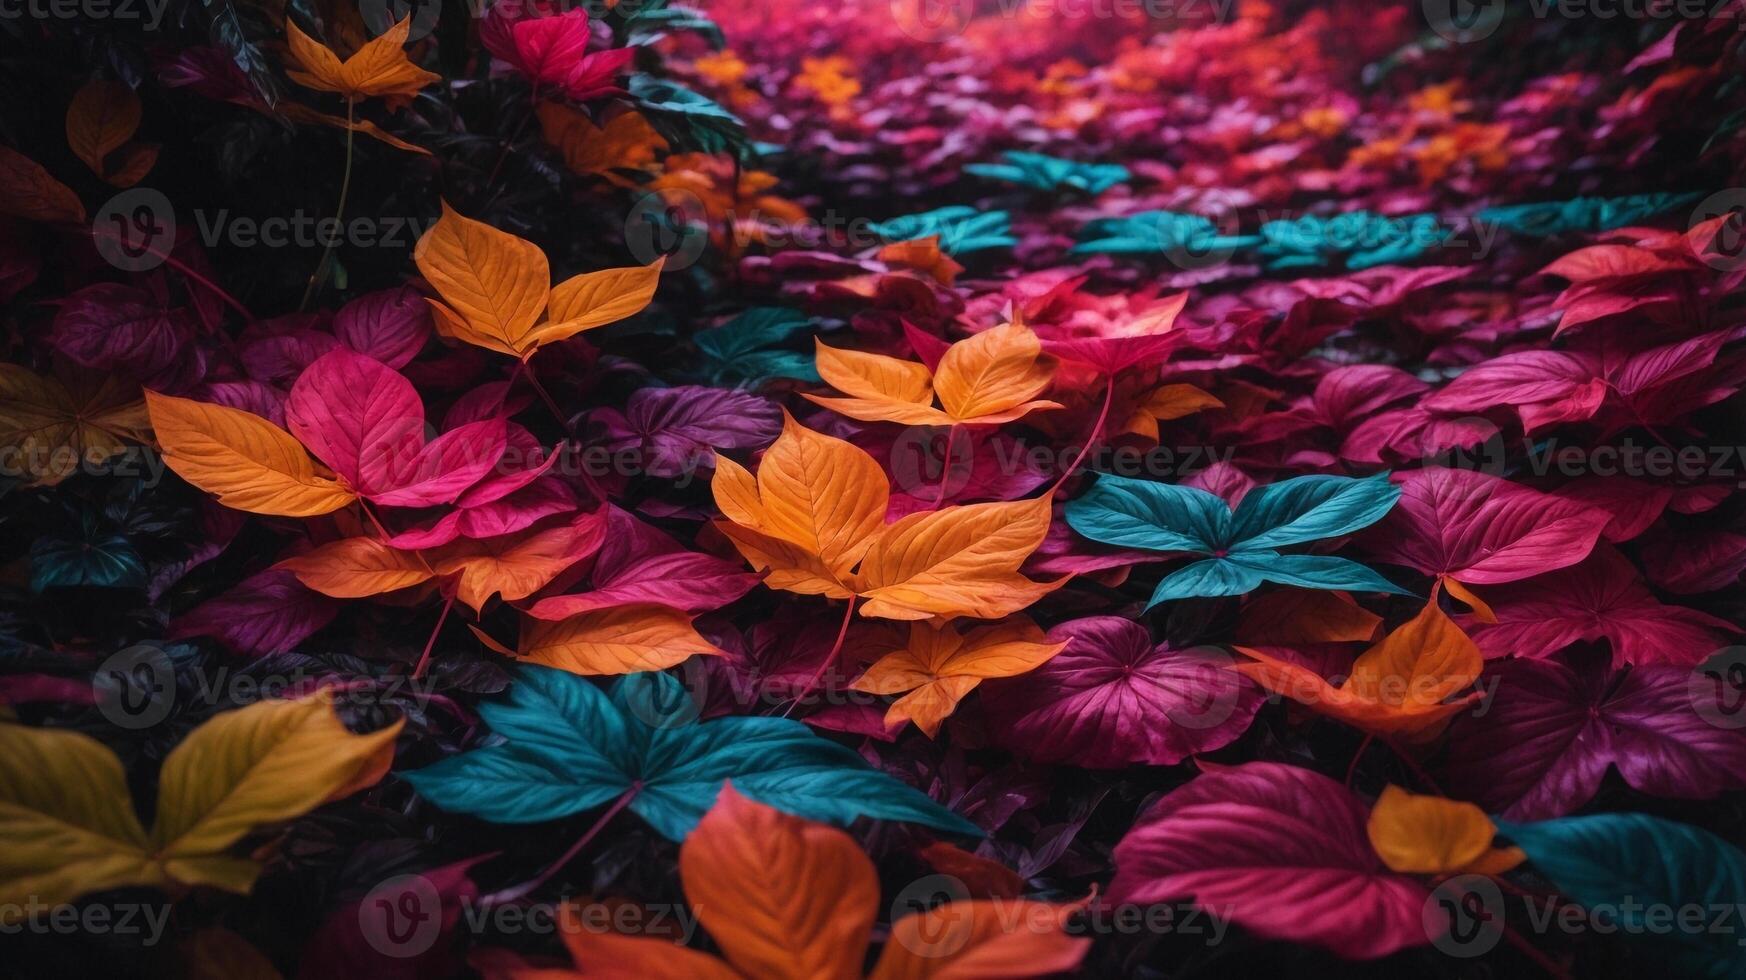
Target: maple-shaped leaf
[[786, 898], [934, 667], [814, 517], [1113, 697], [495, 287], [378, 68], [50, 428], [1240, 545], [1482, 530], [366, 421], [1602, 596], [1401, 687], [986, 379], [1264, 845], [1555, 727], [101, 119], [571, 747], [1430, 835], [69, 818], [246, 461]]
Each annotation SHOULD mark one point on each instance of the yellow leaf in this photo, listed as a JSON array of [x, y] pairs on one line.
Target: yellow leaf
[[496, 282], [264, 764], [594, 299], [380, 67], [618, 640], [67, 820], [1433, 836], [246, 461], [48, 428], [819, 494], [960, 561], [356, 568]]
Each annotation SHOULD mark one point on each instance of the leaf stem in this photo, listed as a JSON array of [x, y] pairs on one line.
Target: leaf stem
[[182, 267], [503, 154], [339, 211], [830, 658], [946, 468], [1091, 440], [526, 370], [517, 892], [430, 644], [1352, 768]]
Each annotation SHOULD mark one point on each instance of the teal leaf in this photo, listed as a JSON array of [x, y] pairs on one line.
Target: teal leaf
[[736, 353], [686, 119], [1315, 572], [1132, 513], [92, 554], [1632, 864], [1047, 173], [570, 747], [961, 229], [1210, 578], [1310, 508]]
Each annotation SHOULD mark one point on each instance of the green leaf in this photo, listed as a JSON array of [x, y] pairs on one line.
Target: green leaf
[[571, 747], [686, 119], [1310, 508]]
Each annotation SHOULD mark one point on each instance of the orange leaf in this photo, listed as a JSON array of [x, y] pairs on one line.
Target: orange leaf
[[496, 283], [618, 640], [939, 666], [304, 114], [993, 376], [246, 461], [959, 561], [516, 565], [881, 389], [624, 142], [102, 117], [980, 938], [1290, 617], [595, 299], [924, 254], [1397, 688], [357, 567], [820, 495], [784, 898], [1168, 402], [1433, 836], [985, 380], [380, 67], [982, 877], [27, 191]]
